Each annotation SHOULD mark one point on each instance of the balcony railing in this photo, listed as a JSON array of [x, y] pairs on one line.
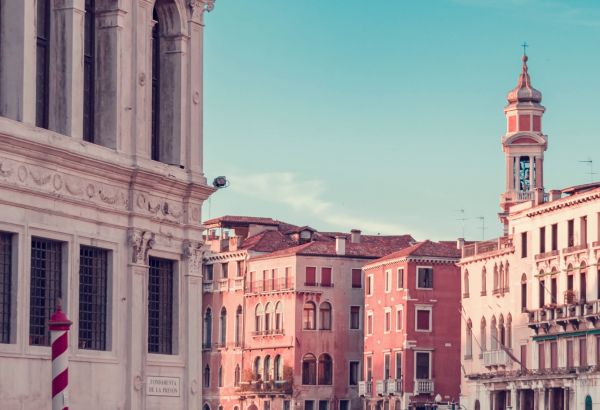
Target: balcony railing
[[423, 386], [266, 387], [393, 386], [365, 388], [563, 315], [498, 357], [269, 285], [478, 248]]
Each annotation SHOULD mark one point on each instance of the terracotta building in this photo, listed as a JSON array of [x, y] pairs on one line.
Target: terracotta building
[[292, 300], [412, 328], [531, 298], [101, 187]]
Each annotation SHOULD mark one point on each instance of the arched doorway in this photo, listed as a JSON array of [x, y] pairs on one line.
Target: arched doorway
[[477, 405], [588, 402]]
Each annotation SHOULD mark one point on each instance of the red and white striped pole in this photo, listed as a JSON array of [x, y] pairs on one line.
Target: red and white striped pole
[[59, 325]]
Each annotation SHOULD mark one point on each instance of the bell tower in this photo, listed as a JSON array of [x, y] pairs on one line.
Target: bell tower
[[523, 144]]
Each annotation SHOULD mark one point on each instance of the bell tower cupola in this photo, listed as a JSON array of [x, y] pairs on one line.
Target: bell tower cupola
[[523, 144]]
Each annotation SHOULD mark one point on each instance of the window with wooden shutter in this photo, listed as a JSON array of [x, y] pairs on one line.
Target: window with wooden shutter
[[311, 276]]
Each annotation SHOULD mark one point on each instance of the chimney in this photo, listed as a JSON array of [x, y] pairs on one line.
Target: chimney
[[355, 236], [555, 194], [340, 245], [460, 243]]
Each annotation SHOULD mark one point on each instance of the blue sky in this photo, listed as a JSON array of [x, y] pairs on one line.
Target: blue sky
[[386, 115]]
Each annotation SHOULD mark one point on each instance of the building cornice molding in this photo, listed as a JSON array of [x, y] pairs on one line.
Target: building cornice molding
[[415, 259], [565, 203]]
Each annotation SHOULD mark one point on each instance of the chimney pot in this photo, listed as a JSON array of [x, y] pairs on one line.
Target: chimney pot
[[340, 245], [355, 235]]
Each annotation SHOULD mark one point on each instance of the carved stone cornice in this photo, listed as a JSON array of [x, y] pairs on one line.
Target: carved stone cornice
[[198, 7], [193, 252], [141, 242]]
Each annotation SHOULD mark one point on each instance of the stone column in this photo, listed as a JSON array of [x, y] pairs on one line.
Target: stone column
[[550, 402], [112, 76], [531, 180], [521, 400], [539, 172], [192, 305], [492, 400], [17, 62], [66, 67], [566, 398], [137, 316]]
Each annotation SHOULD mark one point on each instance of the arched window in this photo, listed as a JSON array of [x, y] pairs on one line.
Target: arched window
[[258, 318], [208, 328], [483, 336], [309, 369], [42, 75], [466, 284], [508, 341], [523, 292], [258, 368], [493, 334], [325, 369], [238, 326], [89, 76], [206, 407], [309, 316], [469, 340], [501, 278], [506, 277], [237, 376], [169, 42], [277, 368], [477, 405], [220, 407], [501, 332], [495, 277], [206, 376], [325, 315], [279, 317], [223, 326], [483, 281], [268, 317], [267, 369], [220, 376], [570, 293], [588, 402]]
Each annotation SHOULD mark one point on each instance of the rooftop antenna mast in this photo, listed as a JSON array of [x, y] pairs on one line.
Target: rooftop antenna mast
[[591, 172], [462, 220], [482, 218]]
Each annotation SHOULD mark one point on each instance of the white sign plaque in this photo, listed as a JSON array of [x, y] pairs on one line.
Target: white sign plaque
[[162, 386]]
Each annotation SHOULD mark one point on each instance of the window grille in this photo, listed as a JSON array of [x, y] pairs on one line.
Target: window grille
[[93, 285], [160, 306], [45, 287], [5, 285]]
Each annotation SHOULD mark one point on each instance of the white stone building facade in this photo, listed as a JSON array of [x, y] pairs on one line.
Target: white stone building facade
[[101, 188]]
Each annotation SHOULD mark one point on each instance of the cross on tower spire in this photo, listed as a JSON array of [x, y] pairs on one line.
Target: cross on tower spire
[[524, 45]]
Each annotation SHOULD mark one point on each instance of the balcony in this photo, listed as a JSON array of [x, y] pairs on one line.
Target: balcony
[[479, 248], [497, 357], [207, 287], [423, 386], [265, 388], [365, 388], [277, 285], [393, 386], [573, 314]]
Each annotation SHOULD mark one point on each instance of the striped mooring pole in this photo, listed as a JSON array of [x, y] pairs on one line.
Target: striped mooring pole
[[59, 325]]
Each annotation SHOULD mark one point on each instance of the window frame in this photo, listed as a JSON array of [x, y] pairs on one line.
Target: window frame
[[360, 279], [399, 323], [174, 303], [417, 270], [369, 324], [350, 364], [399, 278], [416, 352], [369, 285], [387, 324], [427, 308], [387, 280], [350, 317], [13, 326]]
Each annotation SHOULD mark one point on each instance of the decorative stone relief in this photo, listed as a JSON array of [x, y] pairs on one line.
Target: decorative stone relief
[[198, 7], [141, 242], [138, 382], [194, 387], [5, 171], [159, 207], [193, 252]]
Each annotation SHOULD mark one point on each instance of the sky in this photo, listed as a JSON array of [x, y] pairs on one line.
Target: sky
[[386, 115]]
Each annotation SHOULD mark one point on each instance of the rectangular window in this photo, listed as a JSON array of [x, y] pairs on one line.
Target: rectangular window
[[42, 75], [309, 405], [583, 351], [369, 323], [388, 281], [541, 356], [570, 233], [6, 255], [555, 237], [554, 290], [225, 270], [386, 366], [400, 278], [398, 365], [369, 375], [543, 239], [288, 277], [240, 269], [353, 373], [422, 365], [370, 285], [344, 405], [286, 405], [398, 319], [326, 277], [354, 317], [160, 306], [208, 273], [523, 244], [323, 405], [570, 353], [311, 276], [45, 287], [356, 278], [583, 230], [423, 320], [542, 292], [425, 278], [387, 321], [523, 297], [553, 355], [523, 357], [93, 289]]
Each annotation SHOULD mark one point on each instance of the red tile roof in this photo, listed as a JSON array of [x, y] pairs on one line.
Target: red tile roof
[[267, 241], [425, 248], [240, 220]]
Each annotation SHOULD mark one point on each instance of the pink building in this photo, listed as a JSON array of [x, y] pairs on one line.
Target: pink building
[[412, 328], [296, 340]]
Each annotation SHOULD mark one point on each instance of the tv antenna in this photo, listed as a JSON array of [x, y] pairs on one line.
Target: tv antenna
[[462, 220], [591, 172], [482, 218]]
